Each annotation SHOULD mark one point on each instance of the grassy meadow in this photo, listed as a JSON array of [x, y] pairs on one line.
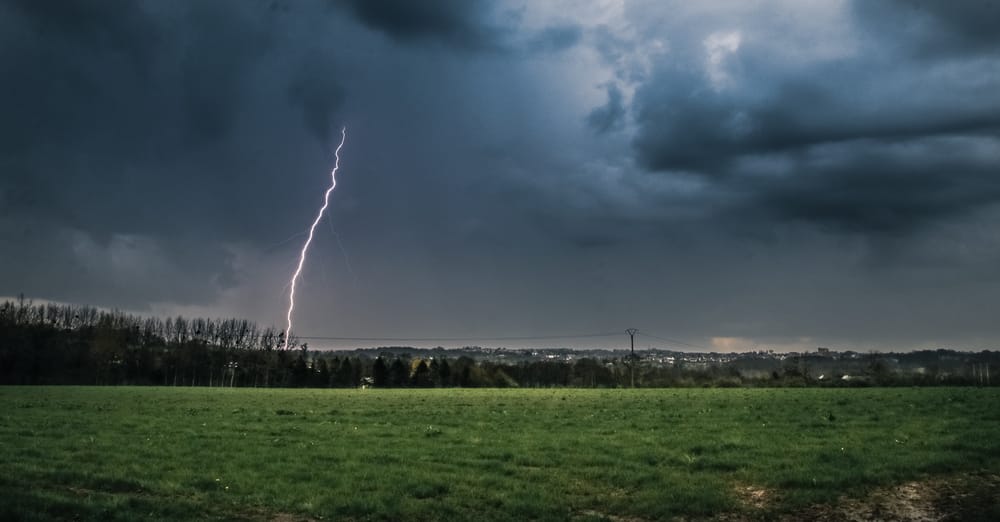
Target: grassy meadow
[[90, 453]]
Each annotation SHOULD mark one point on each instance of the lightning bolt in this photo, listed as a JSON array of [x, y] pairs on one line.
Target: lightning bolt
[[312, 229]]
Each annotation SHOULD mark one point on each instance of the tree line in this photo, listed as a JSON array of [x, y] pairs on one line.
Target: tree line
[[70, 344]]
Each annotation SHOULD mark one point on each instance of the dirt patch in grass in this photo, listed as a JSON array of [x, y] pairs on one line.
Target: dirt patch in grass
[[754, 497], [594, 514], [263, 515], [954, 498], [288, 517], [912, 501]]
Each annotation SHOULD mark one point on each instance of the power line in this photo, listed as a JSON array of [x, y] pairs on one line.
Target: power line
[[427, 339], [674, 341], [497, 338]]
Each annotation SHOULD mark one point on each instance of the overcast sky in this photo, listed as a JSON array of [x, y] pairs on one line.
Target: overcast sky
[[733, 175]]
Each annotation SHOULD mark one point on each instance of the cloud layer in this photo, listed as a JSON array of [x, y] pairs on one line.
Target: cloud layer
[[781, 172]]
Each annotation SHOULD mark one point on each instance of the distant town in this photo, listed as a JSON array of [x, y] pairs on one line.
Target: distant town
[[821, 366]]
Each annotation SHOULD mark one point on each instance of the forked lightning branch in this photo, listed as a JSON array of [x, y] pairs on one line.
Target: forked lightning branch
[[312, 230]]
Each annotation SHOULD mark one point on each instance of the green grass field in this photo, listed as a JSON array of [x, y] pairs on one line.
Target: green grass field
[[460, 454]]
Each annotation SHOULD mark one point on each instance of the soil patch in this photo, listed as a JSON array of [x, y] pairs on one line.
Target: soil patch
[[955, 498]]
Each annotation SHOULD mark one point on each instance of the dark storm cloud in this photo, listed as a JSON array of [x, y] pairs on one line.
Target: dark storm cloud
[[610, 116], [513, 167], [934, 27], [216, 57], [45, 83], [884, 188], [470, 25], [119, 62], [555, 38], [101, 24], [317, 97], [894, 125], [129, 271], [152, 121], [106, 102], [460, 23], [685, 124]]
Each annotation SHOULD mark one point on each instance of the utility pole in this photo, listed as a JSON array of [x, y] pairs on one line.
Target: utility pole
[[631, 335]]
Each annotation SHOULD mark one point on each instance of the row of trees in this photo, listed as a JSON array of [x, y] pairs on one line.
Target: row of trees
[[65, 344]]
